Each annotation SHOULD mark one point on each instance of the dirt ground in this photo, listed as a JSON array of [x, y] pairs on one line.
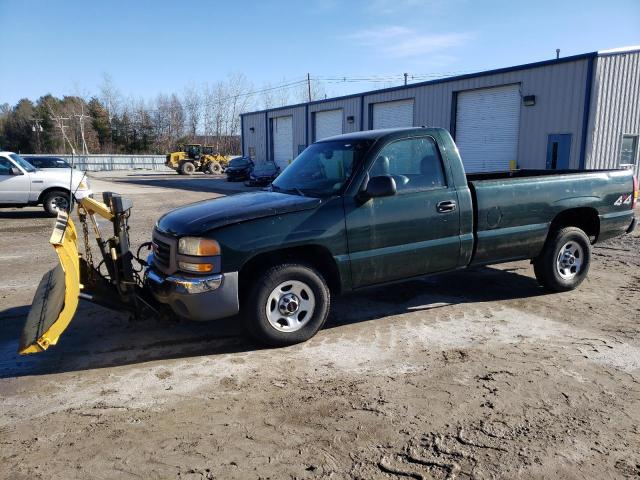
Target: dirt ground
[[476, 374]]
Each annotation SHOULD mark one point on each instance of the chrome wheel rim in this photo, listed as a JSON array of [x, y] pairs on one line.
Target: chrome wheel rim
[[58, 203], [570, 260], [290, 306]]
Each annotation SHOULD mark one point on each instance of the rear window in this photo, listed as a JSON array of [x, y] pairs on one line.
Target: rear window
[[238, 162], [48, 162]]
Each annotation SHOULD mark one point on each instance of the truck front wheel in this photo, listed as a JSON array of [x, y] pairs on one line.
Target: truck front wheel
[[564, 261], [54, 201], [287, 305]]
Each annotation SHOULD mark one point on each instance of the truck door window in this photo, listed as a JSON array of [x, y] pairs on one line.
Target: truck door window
[[5, 167], [414, 163]]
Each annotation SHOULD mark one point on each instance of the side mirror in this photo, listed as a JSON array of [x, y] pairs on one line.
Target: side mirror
[[15, 171], [381, 186]]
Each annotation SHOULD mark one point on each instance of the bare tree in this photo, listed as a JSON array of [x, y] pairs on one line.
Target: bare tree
[[193, 108]]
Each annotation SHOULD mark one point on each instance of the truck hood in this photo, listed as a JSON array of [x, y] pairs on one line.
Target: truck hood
[[201, 217]]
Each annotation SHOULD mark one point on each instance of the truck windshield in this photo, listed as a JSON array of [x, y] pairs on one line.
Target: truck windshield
[[322, 169], [22, 162]]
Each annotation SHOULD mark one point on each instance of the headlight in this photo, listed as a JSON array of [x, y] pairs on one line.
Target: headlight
[[199, 247]]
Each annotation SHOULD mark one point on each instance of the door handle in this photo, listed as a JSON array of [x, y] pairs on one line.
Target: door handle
[[446, 206]]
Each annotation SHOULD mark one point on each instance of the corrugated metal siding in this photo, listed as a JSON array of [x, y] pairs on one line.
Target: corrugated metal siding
[[559, 88], [350, 108], [256, 139], [559, 91], [615, 108]]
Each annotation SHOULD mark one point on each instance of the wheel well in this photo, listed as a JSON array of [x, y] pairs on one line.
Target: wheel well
[[316, 256], [52, 189], [585, 218]]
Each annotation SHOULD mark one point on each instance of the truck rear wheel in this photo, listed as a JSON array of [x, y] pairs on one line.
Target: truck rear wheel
[[188, 168], [564, 261], [54, 201], [287, 305]]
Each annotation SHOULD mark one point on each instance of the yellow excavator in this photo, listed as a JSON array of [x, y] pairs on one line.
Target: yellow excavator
[[76, 276], [194, 157]]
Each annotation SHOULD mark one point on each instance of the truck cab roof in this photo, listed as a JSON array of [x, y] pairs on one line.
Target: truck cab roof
[[378, 134]]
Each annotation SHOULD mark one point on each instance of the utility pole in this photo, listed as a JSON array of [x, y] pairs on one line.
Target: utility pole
[[37, 128], [308, 85], [406, 75], [81, 117]]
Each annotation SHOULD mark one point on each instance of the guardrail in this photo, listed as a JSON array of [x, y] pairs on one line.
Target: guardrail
[[97, 163]]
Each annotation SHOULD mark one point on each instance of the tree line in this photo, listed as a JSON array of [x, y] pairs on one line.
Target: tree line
[[108, 122]]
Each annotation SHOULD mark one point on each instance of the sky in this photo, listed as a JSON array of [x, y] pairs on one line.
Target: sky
[[151, 47]]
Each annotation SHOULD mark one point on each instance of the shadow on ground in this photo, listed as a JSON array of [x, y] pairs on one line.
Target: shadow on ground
[[39, 213], [99, 338]]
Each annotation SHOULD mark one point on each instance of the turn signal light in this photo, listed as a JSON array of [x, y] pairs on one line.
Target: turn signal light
[[195, 267]]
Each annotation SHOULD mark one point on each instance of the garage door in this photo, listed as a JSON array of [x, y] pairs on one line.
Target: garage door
[[487, 124], [328, 124], [282, 130], [393, 114]]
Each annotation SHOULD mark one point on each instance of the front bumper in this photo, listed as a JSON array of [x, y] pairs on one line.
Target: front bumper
[[200, 298]]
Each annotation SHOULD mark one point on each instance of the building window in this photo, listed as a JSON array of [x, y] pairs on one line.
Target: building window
[[629, 149]]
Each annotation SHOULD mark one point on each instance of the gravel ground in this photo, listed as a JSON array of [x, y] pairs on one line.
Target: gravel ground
[[475, 374]]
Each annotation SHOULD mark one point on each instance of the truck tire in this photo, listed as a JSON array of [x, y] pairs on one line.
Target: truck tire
[[287, 305], [214, 168], [564, 261], [54, 201], [188, 168]]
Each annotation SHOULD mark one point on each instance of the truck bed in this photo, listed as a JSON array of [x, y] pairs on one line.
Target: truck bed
[[513, 210], [525, 174]]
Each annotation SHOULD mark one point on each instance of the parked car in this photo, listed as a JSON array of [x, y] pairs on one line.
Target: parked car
[[239, 169], [45, 163], [21, 184], [370, 208], [263, 174]]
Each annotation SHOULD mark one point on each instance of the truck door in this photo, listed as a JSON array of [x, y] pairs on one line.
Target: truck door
[[14, 188], [414, 232]]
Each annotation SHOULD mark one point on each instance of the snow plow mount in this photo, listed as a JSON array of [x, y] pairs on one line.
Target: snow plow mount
[[120, 288]]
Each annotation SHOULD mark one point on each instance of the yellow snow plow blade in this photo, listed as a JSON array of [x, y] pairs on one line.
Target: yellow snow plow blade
[[56, 298]]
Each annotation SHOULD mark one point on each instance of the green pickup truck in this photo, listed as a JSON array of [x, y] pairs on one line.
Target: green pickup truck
[[369, 208]]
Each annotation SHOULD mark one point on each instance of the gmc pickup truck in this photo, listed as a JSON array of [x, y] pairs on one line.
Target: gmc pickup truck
[[369, 208]]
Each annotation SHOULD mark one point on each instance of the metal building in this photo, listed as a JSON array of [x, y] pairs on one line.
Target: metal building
[[581, 111]]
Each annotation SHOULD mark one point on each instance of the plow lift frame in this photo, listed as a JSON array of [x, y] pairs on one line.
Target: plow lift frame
[[59, 291]]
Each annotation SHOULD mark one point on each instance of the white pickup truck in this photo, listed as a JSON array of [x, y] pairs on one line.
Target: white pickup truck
[[21, 184]]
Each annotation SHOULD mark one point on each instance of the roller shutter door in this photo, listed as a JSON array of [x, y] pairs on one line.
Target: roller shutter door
[[328, 124], [396, 114], [282, 131], [487, 125]]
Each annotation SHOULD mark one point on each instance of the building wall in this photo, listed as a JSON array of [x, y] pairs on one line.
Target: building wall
[[560, 97], [615, 108], [560, 88], [256, 139]]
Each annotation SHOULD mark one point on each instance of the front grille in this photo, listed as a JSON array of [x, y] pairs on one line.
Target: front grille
[[164, 252]]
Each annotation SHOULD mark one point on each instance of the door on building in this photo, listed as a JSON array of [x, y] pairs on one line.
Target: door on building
[[282, 135], [396, 114], [487, 126], [558, 151], [414, 232], [327, 124]]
